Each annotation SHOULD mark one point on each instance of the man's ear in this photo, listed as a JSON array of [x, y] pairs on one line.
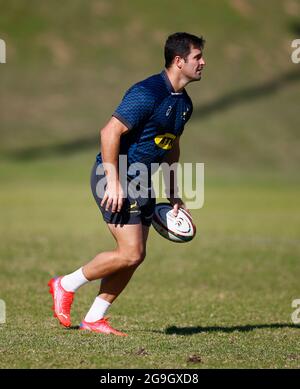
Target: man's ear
[[178, 61]]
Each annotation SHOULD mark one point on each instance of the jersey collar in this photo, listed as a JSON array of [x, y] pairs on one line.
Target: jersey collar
[[168, 83]]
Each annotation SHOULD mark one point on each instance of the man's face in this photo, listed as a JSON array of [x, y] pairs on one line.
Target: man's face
[[193, 65]]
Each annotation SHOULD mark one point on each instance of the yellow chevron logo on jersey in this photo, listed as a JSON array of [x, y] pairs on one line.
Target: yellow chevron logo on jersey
[[165, 141], [134, 205]]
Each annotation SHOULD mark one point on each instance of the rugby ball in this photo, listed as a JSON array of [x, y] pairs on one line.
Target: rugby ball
[[178, 228]]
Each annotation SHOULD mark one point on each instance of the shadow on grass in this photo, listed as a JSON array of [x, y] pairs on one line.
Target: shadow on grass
[[247, 94], [61, 149], [72, 328], [245, 328], [294, 27], [220, 104]]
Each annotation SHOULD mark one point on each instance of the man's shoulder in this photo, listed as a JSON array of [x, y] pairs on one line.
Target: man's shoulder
[[153, 86], [153, 81]]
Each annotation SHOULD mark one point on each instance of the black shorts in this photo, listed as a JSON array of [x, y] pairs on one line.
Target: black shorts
[[135, 210]]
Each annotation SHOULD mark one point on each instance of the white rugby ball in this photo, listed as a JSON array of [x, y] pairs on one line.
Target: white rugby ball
[[178, 228]]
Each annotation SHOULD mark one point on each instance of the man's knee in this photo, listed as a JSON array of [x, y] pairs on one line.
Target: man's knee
[[134, 256]]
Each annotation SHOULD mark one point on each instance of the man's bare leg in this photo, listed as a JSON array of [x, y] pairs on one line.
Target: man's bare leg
[[129, 253], [114, 284]]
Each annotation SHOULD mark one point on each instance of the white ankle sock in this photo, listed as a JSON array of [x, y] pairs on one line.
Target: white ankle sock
[[74, 281], [97, 310]]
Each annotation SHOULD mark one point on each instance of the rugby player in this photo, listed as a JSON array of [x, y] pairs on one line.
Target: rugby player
[[145, 128]]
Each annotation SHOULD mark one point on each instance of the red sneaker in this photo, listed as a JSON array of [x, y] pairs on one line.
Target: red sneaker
[[101, 326], [62, 301]]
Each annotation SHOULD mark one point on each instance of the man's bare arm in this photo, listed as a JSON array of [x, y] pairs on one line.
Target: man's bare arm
[[171, 157], [110, 149]]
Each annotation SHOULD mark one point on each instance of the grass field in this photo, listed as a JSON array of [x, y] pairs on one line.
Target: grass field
[[223, 300], [225, 297]]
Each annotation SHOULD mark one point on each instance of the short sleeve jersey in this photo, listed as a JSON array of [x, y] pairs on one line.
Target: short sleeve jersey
[[155, 116]]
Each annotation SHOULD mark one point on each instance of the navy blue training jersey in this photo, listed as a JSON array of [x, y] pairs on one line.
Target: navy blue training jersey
[[155, 116]]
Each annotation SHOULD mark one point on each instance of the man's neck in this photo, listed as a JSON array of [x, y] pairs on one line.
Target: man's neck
[[176, 80]]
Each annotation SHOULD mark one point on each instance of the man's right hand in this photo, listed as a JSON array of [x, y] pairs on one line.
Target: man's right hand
[[113, 197]]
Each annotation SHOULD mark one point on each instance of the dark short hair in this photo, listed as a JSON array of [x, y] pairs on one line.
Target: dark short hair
[[180, 44]]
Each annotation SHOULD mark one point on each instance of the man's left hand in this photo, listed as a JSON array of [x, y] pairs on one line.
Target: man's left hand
[[177, 203]]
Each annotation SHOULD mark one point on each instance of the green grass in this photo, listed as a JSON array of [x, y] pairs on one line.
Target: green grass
[[225, 297]]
